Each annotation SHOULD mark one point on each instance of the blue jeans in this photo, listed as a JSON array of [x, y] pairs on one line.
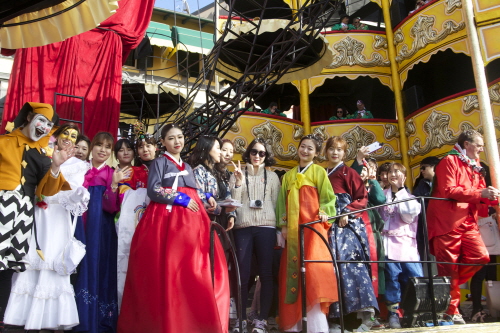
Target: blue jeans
[[260, 240], [395, 272]]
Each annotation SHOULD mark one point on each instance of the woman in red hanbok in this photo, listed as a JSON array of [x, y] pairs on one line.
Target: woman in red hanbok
[[169, 285]]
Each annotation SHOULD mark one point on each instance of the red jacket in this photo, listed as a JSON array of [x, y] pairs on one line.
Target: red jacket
[[456, 180]]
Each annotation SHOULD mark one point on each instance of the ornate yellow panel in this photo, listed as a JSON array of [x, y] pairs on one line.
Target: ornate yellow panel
[[434, 131], [359, 53], [278, 133], [486, 10], [437, 27], [490, 43], [361, 133]]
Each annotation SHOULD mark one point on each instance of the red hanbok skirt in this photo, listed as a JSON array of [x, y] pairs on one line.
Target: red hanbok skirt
[[169, 283]]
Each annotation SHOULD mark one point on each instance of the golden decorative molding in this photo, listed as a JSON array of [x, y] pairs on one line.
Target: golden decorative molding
[[273, 137], [390, 131], [410, 127], [470, 103], [465, 126], [239, 145], [321, 132], [235, 128], [494, 92], [380, 42], [451, 5], [350, 53], [436, 126], [387, 153], [298, 132], [358, 137], [399, 37], [423, 34]]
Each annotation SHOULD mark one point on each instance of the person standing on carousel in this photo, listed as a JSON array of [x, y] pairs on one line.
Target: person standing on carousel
[[25, 170], [453, 232]]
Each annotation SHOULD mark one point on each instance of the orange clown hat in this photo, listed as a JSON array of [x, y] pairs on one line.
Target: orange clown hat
[[39, 108]]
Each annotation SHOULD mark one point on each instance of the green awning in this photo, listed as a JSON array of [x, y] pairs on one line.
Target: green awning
[[160, 34], [192, 40]]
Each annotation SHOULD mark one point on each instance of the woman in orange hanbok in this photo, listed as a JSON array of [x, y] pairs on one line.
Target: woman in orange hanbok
[[306, 195]]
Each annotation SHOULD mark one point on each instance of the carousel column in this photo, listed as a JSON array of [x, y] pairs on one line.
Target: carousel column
[[396, 86], [490, 140], [305, 115]]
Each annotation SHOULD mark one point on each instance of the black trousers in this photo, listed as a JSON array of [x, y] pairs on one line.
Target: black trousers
[[5, 286]]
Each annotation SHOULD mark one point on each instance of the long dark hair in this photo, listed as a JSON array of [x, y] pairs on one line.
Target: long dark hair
[[221, 167], [269, 161], [201, 152], [201, 155]]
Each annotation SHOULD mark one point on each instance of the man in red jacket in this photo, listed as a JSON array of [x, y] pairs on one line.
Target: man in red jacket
[[453, 231]]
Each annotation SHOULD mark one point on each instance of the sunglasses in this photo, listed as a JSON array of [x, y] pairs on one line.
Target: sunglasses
[[261, 153]]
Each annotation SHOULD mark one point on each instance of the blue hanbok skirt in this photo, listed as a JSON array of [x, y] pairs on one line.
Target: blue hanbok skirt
[[351, 243], [96, 286]]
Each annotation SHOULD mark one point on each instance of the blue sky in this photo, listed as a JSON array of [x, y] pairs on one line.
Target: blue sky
[[177, 4]]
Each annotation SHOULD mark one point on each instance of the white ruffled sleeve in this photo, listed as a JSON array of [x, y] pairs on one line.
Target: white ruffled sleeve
[[75, 201]]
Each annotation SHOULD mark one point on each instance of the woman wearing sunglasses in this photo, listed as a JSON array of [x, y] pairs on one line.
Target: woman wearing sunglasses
[[255, 227]]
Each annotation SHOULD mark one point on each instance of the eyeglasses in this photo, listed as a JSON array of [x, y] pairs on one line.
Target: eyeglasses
[[254, 152]]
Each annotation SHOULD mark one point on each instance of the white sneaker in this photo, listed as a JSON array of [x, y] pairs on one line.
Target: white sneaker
[[236, 327], [394, 321], [259, 326], [458, 320]]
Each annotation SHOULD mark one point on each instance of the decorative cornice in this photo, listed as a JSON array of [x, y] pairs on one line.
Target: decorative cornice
[[350, 53], [423, 34], [273, 136]]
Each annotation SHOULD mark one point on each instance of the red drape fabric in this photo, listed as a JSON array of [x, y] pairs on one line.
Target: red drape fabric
[[87, 65]]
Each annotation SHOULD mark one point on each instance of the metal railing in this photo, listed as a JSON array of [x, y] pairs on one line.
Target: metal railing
[[335, 262], [216, 228]]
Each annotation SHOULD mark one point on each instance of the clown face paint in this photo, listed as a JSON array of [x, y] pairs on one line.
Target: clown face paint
[[66, 138], [39, 127]]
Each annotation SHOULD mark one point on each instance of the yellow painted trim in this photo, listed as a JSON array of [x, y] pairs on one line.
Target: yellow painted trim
[[490, 44], [386, 80], [460, 45]]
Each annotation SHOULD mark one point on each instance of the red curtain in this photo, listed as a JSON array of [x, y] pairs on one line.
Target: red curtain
[[87, 65]]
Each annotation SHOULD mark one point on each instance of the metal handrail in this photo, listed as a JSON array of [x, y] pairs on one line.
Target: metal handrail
[[335, 262], [217, 228]]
